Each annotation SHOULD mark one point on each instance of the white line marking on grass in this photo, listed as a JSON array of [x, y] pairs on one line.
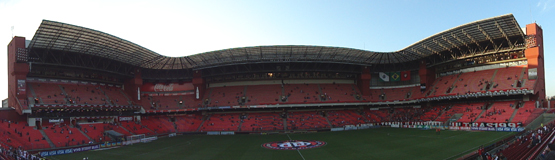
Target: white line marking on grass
[[297, 149]]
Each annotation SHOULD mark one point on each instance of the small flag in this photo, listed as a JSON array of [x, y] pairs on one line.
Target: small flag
[[384, 76], [405, 75], [395, 76]]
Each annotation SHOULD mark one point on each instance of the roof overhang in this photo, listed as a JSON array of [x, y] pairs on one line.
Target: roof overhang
[[53, 35]]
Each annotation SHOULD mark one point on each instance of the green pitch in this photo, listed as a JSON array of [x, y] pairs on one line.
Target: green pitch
[[383, 143]]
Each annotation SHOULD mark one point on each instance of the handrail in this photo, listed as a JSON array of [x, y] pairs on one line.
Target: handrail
[[542, 147]]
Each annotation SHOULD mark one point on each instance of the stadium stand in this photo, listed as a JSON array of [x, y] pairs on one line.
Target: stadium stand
[[159, 124], [116, 95], [263, 94], [188, 123], [308, 98], [226, 96], [62, 135], [222, 122], [306, 120], [96, 130], [472, 82], [84, 94], [262, 122], [339, 92], [165, 102], [498, 112], [341, 118], [302, 93], [48, 93], [136, 128], [16, 133]]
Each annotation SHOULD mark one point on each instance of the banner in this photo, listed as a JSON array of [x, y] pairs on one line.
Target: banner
[[395, 76], [125, 118], [171, 87], [384, 76], [405, 75], [532, 73], [21, 87], [68, 151], [490, 125]]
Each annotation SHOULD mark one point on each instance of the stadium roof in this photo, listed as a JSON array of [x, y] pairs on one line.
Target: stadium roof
[[53, 35]]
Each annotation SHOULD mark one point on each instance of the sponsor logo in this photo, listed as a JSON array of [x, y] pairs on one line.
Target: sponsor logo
[[293, 145], [162, 88]]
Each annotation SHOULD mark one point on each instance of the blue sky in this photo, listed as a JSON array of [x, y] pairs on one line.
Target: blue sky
[[179, 28]]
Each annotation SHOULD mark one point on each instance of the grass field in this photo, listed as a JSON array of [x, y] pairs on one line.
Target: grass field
[[382, 143]]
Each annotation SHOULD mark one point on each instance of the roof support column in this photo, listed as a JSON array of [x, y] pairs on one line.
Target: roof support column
[[199, 84], [364, 81], [132, 87], [427, 75]]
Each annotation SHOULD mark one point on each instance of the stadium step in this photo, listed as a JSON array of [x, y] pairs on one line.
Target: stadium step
[[32, 89], [79, 129], [432, 89], [329, 123], [520, 78], [440, 114], [320, 91], [47, 139], [486, 106], [356, 92], [240, 123], [209, 99], [203, 120], [65, 93], [105, 95], [492, 82], [453, 85], [409, 94], [513, 115], [285, 124], [125, 95], [125, 129]]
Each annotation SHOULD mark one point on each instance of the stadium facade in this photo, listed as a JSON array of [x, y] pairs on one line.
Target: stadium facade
[[73, 74]]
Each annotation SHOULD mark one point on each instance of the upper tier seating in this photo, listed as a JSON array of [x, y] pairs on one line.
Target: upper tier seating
[[85, 94], [49, 93], [116, 95], [472, 82], [302, 93], [263, 94], [226, 96], [165, 102], [339, 92], [506, 77], [442, 84]]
